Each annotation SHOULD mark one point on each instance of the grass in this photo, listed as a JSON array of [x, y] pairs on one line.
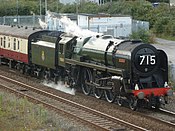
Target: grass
[[173, 85], [20, 114], [25, 115]]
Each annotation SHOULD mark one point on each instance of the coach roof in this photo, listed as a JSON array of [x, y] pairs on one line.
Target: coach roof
[[17, 31]]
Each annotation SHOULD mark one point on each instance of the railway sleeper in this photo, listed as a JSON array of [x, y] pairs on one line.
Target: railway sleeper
[[107, 124], [87, 115], [97, 119], [90, 118], [104, 122]]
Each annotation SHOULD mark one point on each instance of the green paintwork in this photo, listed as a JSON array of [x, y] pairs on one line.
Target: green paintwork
[[44, 56], [98, 57]]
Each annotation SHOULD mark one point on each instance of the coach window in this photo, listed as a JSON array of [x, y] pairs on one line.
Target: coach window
[[1, 40], [9, 43], [4, 41], [14, 46], [18, 45]]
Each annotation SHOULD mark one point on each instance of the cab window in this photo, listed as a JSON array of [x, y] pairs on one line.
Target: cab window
[[61, 49]]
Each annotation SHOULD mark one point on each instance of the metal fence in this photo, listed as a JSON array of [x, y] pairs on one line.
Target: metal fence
[[137, 25], [31, 21]]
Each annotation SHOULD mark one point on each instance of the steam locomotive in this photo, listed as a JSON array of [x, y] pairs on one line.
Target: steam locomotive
[[103, 66]]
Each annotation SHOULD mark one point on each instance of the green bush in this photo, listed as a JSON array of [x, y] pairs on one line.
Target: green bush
[[170, 28], [145, 36], [160, 25]]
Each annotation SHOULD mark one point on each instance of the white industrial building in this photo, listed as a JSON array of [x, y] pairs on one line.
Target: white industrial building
[[68, 1], [78, 1], [172, 2], [116, 25]]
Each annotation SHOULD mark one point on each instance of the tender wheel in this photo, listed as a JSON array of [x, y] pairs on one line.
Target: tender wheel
[[110, 95], [98, 93], [47, 75], [27, 70], [86, 79], [56, 79], [133, 103]]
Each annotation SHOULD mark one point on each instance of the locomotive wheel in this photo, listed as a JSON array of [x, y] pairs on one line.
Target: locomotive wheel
[[119, 97], [157, 106], [133, 103], [98, 93], [119, 100], [87, 78], [110, 95]]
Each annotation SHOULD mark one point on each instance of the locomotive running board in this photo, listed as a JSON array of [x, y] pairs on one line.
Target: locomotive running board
[[93, 66]]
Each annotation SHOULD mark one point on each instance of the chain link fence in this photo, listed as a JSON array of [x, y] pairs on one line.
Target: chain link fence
[[30, 21], [137, 25]]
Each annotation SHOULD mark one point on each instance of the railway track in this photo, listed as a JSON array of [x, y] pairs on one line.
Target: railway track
[[162, 116], [167, 112], [99, 120], [22, 88]]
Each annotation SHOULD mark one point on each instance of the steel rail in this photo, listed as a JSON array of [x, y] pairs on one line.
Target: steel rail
[[170, 113], [110, 120]]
